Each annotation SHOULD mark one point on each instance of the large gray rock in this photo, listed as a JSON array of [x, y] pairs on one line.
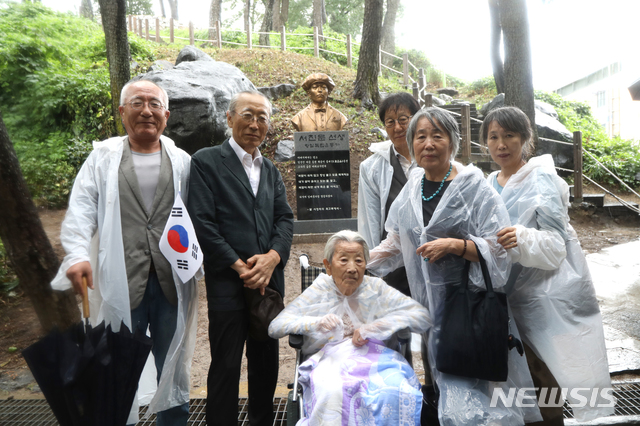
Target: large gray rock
[[160, 65], [494, 103], [277, 92], [436, 100], [192, 54], [445, 97], [381, 133], [546, 108], [451, 91], [285, 151], [199, 95]]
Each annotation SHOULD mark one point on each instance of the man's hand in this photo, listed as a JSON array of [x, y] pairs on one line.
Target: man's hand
[[75, 274], [240, 267], [261, 268]]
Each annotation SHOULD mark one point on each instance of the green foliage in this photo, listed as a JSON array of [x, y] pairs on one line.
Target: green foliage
[[620, 156], [481, 90], [8, 278], [139, 7], [54, 93]]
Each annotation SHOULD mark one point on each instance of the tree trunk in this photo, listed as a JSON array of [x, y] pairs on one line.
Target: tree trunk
[[247, 15], [496, 36], [164, 15], [114, 23], [317, 15], [388, 42], [215, 14], [284, 12], [173, 5], [267, 22], [27, 245], [276, 21], [86, 9], [518, 79], [366, 84]]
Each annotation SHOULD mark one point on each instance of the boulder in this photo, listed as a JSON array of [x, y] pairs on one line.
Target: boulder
[[445, 97], [460, 102], [285, 151], [160, 65], [546, 108], [451, 91], [277, 92], [199, 94], [192, 54], [494, 103], [381, 133]]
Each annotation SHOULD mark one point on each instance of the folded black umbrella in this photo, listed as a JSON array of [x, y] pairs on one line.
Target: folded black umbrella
[[89, 375]]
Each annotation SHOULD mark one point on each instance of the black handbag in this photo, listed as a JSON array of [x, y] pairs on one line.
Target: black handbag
[[474, 336], [262, 310]]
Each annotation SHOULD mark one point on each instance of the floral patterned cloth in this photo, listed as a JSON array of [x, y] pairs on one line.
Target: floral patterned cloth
[[370, 385]]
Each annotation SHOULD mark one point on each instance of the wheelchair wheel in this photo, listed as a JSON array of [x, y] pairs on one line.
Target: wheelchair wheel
[[293, 410]]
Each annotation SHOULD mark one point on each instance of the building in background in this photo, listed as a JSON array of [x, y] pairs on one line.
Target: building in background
[[607, 92]]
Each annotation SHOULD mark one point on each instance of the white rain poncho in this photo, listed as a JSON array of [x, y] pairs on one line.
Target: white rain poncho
[[377, 309], [468, 209], [92, 232], [550, 289], [376, 173]]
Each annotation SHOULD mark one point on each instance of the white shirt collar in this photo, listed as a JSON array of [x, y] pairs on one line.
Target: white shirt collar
[[241, 153]]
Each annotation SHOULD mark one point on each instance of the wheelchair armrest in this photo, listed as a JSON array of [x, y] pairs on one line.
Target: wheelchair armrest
[[295, 341], [404, 335]]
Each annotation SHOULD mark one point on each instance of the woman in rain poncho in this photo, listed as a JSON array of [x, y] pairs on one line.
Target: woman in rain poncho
[[549, 288], [353, 378], [445, 214]]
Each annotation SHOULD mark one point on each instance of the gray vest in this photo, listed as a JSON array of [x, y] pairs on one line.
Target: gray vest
[[141, 230]]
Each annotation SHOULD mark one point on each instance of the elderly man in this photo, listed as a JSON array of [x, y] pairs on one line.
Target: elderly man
[[244, 224], [120, 203], [319, 116]]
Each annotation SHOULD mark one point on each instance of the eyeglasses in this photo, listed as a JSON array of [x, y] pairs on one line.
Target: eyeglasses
[[403, 121], [154, 105], [248, 118]]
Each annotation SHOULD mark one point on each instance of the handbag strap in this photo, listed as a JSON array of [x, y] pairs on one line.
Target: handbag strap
[[485, 273]]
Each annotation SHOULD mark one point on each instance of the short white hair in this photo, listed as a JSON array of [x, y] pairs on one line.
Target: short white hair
[[346, 236], [125, 89], [234, 102]]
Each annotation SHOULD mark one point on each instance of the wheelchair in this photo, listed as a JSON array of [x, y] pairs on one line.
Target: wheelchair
[[308, 274]]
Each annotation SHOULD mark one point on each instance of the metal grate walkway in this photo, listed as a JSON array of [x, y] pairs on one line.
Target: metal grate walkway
[[36, 412]]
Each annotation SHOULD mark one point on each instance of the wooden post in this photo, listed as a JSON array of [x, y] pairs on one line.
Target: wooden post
[[428, 100], [577, 167], [249, 41], [316, 42], [191, 37], [218, 35], [421, 80], [130, 26], [416, 91], [135, 27], [171, 39], [146, 29], [140, 27], [349, 58], [283, 39], [465, 133], [157, 30], [405, 69]]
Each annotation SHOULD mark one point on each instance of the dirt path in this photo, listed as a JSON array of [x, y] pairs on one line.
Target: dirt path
[[20, 327]]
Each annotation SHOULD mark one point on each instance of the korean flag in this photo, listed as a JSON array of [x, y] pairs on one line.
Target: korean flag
[[179, 243]]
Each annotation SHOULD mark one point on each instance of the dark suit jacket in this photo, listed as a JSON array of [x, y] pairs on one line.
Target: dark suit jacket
[[232, 223]]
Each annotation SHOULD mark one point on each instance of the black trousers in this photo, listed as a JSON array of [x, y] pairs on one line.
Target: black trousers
[[227, 335]]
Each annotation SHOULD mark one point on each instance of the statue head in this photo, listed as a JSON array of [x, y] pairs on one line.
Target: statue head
[[318, 86]]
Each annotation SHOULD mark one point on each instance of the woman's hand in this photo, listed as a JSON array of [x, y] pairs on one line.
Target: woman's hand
[[434, 250], [507, 237], [329, 322], [357, 339]]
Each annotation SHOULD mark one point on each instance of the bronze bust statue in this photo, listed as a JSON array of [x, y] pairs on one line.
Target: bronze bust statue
[[319, 116]]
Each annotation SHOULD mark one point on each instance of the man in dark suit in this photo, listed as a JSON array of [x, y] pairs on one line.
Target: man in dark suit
[[238, 204]]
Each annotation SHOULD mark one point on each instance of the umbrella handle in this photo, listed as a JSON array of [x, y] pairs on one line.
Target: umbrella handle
[[85, 299]]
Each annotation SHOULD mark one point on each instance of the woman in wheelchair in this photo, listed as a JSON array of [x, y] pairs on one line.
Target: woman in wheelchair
[[351, 377]]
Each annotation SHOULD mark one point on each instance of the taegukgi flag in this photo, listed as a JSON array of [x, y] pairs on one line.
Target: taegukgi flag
[[179, 243]]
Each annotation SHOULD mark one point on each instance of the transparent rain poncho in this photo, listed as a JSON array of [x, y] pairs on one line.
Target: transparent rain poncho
[[375, 308], [469, 209], [92, 232], [550, 289]]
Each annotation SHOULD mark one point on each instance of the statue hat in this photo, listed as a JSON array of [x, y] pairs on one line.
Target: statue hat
[[318, 77]]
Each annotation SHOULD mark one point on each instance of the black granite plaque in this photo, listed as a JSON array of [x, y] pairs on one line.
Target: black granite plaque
[[323, 175]]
